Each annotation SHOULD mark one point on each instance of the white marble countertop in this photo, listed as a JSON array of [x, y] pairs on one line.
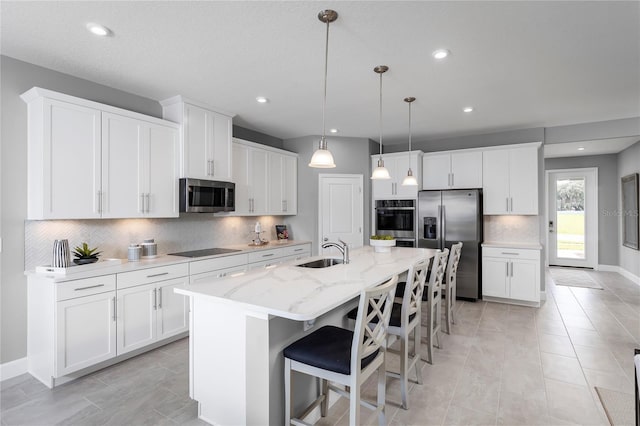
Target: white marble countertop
[[107, 268], [530, 246], [301, 294]]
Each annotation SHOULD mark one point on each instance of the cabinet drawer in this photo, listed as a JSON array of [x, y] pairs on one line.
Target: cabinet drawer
[[151, 275], [214, 275], [208, 265], [86, 287], [265, 255], [511, 253], [296, 250]]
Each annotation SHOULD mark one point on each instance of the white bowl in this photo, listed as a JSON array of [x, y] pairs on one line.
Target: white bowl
[[382, 246]]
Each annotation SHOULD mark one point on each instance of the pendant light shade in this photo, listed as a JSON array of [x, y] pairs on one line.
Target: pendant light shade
[[381, 171], [409, 179], [322, 158]]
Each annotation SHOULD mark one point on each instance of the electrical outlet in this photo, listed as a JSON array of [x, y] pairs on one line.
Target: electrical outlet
[[308, 324]]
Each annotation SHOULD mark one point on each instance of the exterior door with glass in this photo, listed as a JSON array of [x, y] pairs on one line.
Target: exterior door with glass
[[573, 217]]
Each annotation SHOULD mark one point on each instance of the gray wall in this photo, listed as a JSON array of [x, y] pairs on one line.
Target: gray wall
[[607, 199], [628, 162], [16, 78], [351, 156], [257, 137]]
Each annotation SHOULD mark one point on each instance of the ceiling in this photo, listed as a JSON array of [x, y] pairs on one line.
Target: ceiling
[[519, 64], [593, 147]]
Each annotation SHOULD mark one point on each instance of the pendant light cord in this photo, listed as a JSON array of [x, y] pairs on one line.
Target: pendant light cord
[[380, 116], [409, 129], [324, 99]]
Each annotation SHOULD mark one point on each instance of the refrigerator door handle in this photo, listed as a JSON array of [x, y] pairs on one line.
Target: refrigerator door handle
[[443, 232]]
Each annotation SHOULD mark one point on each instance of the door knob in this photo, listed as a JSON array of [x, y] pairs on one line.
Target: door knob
[[325, 239]]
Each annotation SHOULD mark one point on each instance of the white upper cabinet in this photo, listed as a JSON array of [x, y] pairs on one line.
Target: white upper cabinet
[[205, 141], [510, 180], [452, 170], [87, 160], [266, 180], [398, 166], [283, 172]]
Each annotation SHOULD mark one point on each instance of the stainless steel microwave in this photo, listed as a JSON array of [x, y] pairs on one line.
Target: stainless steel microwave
[[206, 196]]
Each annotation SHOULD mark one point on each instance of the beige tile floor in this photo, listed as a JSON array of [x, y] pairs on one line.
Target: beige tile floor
[[502, 365]]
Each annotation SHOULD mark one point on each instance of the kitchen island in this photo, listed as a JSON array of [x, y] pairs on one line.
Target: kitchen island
[[239, 326]]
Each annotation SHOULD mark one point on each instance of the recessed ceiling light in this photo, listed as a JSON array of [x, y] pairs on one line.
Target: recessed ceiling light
[[468, 109], [262, 100], [581, 148], [441, 53], [333, 130], [99, 30]]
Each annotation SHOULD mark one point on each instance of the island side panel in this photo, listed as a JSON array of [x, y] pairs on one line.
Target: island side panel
[[229, 350]]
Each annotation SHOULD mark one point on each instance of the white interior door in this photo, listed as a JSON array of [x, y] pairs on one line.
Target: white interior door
[[341, 212], [573, 217]]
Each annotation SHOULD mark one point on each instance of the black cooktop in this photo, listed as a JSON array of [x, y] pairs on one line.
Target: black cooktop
[[204, 252]]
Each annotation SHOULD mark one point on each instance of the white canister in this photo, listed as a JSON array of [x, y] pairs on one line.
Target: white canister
[[61, 256], [134, 253], [149, 248]]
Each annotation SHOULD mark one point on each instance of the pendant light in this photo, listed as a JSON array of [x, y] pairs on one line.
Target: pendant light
[[409, 179], [322, 158], [381, 171]]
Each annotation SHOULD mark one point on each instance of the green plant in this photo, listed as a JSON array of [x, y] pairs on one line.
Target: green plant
[[382, 237], [84, 252]]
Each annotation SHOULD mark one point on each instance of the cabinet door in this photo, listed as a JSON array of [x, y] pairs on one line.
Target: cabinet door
[[258, 181], [524, 281], [495, 181], [197, 147], [221, 146], [123, 141], [494, 277], [523, 180], [70, 163], [241, 178], [276, 183], [173, 308], [402, 164], [161, 172], [136, 317], [86, 332], [466, 169], [435, 171], [290, 184]]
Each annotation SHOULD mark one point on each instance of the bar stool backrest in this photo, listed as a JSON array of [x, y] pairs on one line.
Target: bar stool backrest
[[412, 298]]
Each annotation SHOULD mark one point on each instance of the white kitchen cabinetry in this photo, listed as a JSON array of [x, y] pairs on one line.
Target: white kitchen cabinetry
[[511, 274], [148, 310], [398, 166], [452, 170], [88, 160], [283, 190], [219, 267], [71, 325], [205, 141], [139, 171], [271, 257], [510, 180]]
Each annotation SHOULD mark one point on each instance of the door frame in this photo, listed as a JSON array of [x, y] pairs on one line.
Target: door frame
[[591, 220], [323, 176]]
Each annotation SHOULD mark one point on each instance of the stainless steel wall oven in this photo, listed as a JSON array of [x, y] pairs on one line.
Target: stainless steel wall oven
[[398, 219]]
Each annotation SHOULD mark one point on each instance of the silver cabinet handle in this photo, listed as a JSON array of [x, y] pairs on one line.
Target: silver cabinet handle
[[157, 275], [506, 269], [267, 255], [99, 201], [453, 179], [299, 249], [155, 295], [510, 253], [507, 203], [511, 200], [142, 203], [511, 269], [160, 298], [86, 288], [286, 205], [113, 300]]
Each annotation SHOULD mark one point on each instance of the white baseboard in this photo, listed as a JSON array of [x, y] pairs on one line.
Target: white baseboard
[[11, 369], [614, 268]]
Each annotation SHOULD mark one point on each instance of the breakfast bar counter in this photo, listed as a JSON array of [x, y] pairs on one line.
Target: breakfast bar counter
[[240, 324]]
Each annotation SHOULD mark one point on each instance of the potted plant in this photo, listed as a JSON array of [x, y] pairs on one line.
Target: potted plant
[[382, 243], [85, 255]]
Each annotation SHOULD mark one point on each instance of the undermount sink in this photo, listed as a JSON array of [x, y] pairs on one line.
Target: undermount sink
[[321, 263]]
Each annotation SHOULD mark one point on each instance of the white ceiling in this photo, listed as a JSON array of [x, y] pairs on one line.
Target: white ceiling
[[594, 147], [519, 64]]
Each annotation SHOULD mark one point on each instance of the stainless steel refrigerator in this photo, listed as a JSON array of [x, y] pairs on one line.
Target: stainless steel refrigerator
[[446, 217]]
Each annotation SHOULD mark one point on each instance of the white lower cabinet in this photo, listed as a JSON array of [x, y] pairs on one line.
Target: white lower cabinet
[[511, 274]]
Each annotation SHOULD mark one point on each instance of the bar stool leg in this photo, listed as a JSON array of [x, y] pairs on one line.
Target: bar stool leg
[[287, 392], [382, 389], [417, 338], [404, 370], [324, 385]]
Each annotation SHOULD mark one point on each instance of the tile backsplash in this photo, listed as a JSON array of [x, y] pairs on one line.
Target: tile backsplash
[[512, 229], [113, 236]]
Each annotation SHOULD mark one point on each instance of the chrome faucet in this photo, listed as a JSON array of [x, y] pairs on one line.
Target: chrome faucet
[[344, 249]]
